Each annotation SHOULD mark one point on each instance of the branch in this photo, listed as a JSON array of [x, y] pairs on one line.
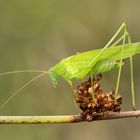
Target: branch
[[63, 119]]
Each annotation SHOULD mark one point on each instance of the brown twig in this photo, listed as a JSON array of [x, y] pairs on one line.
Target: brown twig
[[63, 119]]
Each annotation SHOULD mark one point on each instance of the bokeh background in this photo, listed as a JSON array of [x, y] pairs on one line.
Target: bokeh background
[[36, 34]]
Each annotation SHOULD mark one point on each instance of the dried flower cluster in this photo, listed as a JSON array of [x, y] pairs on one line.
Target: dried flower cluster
[[92, 100]]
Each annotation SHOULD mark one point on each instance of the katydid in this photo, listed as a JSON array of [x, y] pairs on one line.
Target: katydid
[[95, 61]]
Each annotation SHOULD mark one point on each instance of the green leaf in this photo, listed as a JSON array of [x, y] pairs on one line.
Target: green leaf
[[79, 65]]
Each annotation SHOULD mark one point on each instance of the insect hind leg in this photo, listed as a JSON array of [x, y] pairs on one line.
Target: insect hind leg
[[132, 78], [121, 61], [126, 35]]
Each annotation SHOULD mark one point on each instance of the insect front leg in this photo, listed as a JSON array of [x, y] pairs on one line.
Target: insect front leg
[[91, 73]]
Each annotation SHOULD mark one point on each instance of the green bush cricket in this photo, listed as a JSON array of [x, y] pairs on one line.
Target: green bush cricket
[[91, 62]]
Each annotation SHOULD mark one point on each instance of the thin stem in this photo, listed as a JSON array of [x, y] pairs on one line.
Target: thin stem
[[64, 119]]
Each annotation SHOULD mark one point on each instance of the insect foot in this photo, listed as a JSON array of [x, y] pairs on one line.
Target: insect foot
[[102, 102]]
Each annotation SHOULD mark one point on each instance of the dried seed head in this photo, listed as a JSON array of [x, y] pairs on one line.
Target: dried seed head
[[101, 102]]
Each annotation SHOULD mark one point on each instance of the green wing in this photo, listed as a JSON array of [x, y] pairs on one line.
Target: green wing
[[79, 65]]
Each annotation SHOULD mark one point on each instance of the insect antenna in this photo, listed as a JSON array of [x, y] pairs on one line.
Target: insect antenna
[[18, 91], [21, 71]]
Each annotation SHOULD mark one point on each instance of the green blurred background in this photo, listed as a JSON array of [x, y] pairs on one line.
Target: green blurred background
[[36, 34]]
